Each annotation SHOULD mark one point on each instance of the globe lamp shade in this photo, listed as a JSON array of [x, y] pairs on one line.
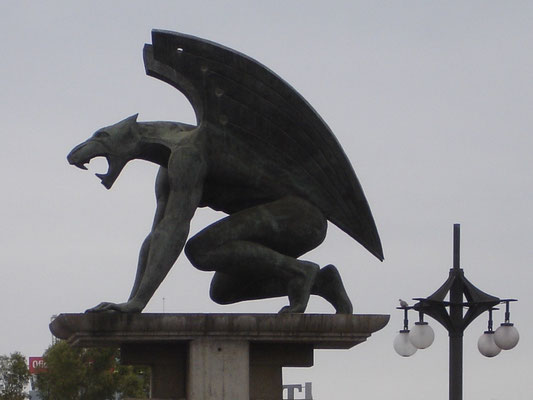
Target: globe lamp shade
[[403, 345], [487, 346], [506, 336], [421, 335]]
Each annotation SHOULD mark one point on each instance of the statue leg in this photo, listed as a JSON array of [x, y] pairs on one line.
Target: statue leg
[[329, 286], [227, 289], [255, 252], [255, 255]]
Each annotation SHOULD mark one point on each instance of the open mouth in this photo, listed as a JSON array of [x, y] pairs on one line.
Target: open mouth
[[114, 167], [85, 152]]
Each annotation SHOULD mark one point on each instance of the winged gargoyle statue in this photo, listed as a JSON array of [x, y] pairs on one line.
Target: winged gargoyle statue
[[259, 153]]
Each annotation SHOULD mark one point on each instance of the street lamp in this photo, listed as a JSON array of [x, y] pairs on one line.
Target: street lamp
[[506, 336], [486, 344], [402, 344], [422, 334], [455, 321]]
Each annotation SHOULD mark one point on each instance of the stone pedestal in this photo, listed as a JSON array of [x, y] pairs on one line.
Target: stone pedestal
[[217, 356]]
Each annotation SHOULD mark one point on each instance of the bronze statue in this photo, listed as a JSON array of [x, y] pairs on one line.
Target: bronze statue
[[259, 153]]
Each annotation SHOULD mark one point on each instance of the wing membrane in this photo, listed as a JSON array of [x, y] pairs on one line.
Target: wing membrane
[[254, 105]]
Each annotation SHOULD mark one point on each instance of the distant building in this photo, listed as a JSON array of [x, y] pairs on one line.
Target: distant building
[[298, 391]]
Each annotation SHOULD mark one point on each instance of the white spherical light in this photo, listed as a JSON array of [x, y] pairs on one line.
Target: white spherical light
[[487, 346], [403, 345], [421, 335], [506, 336]]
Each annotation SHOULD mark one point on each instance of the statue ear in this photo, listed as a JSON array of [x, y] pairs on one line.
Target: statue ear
[[129, 124], [133, 118], [129, 120]]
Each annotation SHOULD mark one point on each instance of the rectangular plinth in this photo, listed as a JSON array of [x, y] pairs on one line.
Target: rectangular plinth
[[217, 356]]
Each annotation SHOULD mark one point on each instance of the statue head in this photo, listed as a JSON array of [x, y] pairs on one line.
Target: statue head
[[118, 143]]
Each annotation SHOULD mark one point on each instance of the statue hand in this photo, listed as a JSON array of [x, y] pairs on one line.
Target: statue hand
[[128, 307]]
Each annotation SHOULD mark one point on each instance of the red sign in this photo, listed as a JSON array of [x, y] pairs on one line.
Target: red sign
[[37, 365]]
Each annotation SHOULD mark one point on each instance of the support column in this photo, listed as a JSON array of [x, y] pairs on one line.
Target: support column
[[218, 370]]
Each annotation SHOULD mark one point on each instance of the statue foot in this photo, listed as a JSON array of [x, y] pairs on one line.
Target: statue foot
[[299, 288], [329, 286]]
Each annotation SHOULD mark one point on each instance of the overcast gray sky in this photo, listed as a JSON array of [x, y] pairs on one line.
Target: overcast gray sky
[[431, 101]]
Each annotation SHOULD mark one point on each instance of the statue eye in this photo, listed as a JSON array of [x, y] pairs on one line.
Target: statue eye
[[101, 135]]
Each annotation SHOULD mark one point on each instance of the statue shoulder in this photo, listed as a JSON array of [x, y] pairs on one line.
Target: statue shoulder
[[187, 164]]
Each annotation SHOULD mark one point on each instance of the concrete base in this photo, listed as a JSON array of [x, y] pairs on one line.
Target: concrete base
[[217, 356]]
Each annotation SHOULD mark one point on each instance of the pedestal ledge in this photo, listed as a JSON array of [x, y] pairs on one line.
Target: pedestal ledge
[[323, 331], [217, 356]]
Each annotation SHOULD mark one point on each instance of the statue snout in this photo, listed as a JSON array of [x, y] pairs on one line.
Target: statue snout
[[84, 153]]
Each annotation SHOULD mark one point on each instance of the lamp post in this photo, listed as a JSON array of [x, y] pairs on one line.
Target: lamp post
[[455, 321]]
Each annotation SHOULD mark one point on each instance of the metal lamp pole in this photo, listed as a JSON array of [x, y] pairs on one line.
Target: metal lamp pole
[[456, 320], [456, 327]]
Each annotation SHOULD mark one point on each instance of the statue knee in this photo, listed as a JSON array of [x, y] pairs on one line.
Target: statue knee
[[196, 252], [218, 294]]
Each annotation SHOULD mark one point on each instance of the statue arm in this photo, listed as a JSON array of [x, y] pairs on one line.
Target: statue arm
[[161, 194], [186, 173]]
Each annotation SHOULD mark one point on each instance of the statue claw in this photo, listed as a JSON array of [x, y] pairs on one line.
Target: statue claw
[[128, 307]]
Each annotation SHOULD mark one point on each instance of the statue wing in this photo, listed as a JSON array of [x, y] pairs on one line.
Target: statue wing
[[232, 91]]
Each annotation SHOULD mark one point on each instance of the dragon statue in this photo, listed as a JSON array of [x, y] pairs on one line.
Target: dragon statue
[[259, 153]]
